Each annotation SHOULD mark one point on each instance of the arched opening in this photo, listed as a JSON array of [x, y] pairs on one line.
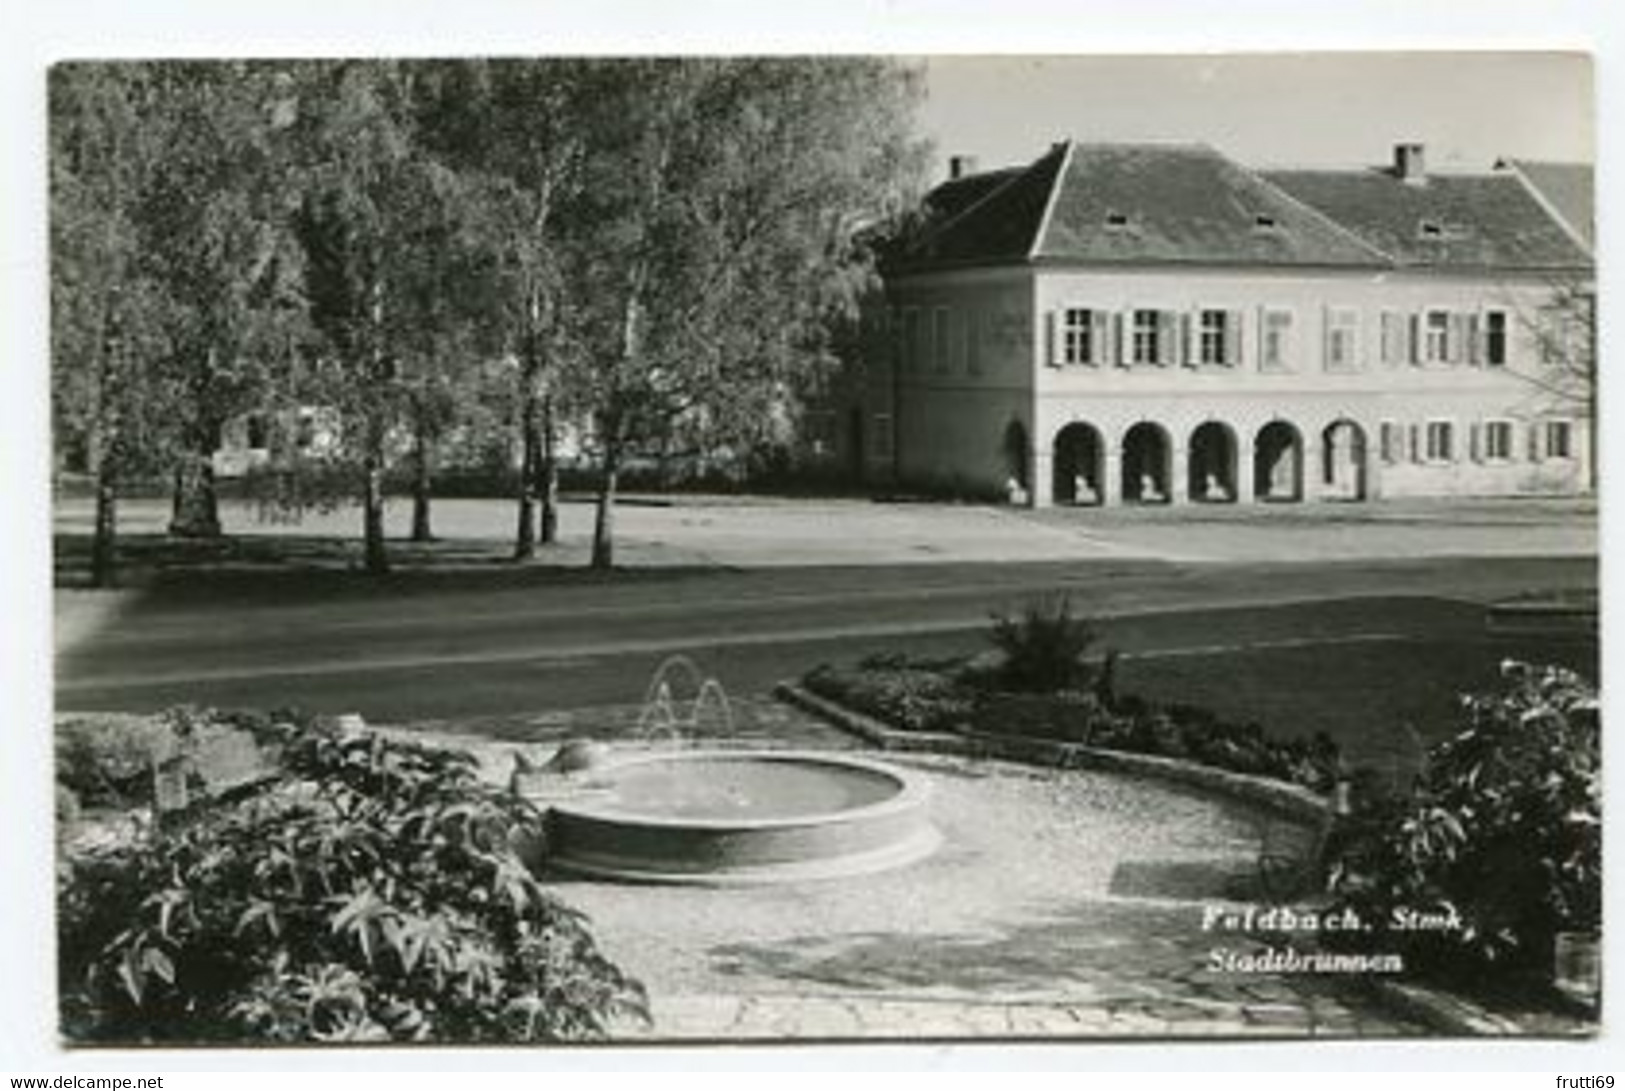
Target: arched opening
[[1017, 463], [1079, 456], [1212, 465], [1278, 463], [1146, 465], [1343, 461]]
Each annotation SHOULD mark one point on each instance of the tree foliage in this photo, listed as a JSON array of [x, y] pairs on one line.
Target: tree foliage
[[660, 249], [111, 403]]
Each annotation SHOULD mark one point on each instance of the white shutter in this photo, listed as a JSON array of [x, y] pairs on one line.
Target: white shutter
[[1168, 337], [1417, 454], [1458, 338], [1415, 347], [1052, 350], [1233, 339], [1099, 337], [1189, 354], [1475, 441], [1325, 338], [1475, 340], [1123, 338], [1535, 441]]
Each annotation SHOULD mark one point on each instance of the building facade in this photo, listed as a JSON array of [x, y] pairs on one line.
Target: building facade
[[1155, 324]]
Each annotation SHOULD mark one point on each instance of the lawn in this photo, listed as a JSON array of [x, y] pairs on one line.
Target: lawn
[[1359, 693]]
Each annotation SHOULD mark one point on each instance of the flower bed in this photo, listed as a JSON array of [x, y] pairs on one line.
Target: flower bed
[[962, 696]]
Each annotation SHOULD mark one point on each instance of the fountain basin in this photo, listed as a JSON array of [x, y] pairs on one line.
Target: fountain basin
[[721, 817]]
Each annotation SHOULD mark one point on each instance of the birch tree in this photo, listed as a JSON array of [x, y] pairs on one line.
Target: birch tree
[[110, 399], [717, 236]]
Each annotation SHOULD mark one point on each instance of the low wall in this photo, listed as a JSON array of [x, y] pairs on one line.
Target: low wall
[[1287, 800]]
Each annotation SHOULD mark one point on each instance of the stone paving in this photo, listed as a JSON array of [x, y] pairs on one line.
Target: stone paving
[[1061, 906]]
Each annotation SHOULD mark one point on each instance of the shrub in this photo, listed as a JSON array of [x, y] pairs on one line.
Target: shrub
[[107, 760], [910, 698], [372, 893], [1044, 648], [1504, 828]]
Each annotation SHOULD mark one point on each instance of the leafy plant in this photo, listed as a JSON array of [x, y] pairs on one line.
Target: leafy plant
[[1044, 647], [1505, 828], [373, 893], [908, 696]]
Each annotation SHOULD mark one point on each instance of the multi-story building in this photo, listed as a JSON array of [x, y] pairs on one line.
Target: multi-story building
[[1121, 324]]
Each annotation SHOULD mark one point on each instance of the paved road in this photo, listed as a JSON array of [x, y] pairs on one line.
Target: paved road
[[479, 643]]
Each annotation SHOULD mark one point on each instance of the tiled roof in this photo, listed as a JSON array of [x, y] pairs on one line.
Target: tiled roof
[[957, 194], [1448, 221], [1188, 204], [1184, 203], [1568, 190], [985, 218]]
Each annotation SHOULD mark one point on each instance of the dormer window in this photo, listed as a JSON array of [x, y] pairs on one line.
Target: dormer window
[[1439, 231], [1117, 221], [1265, 222]]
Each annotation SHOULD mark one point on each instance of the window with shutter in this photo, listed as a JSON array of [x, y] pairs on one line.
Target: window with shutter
[[1441, 441], [1079, 341], [1169, 339], [1393, 339], [1342, 339], [1459, 337], [1495, 338], [1436, 337], [1391, 442], [1147, 337], [1558, 439], [939, 339], [1275, 340], [1497, 441], [973, 341], [1213, 339]]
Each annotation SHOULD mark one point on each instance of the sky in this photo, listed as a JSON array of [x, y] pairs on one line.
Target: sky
[[1281, 109]]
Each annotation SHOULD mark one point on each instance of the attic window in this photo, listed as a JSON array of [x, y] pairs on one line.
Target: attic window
[[1439, 231], [1263, 221], [1117, 221]]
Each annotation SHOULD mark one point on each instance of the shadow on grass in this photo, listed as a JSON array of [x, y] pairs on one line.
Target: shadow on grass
[[270, 567]]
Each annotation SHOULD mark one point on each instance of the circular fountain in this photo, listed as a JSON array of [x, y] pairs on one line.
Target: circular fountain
[[673, 814], [722, 817]]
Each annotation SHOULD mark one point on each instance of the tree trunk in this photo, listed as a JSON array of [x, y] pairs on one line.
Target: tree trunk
[[550, 478], [104, 545], [603, 531], [525, 539], [372, 502], [196, 511], [421, 462]]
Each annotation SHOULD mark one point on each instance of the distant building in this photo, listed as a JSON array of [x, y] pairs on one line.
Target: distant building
[[1138, 324], [248, 441]]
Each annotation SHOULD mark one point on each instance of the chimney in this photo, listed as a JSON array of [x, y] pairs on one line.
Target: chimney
[[961, 165], [1410, 165]]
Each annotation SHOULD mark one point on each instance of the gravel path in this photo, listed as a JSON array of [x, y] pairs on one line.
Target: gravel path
[[1060, 905]]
